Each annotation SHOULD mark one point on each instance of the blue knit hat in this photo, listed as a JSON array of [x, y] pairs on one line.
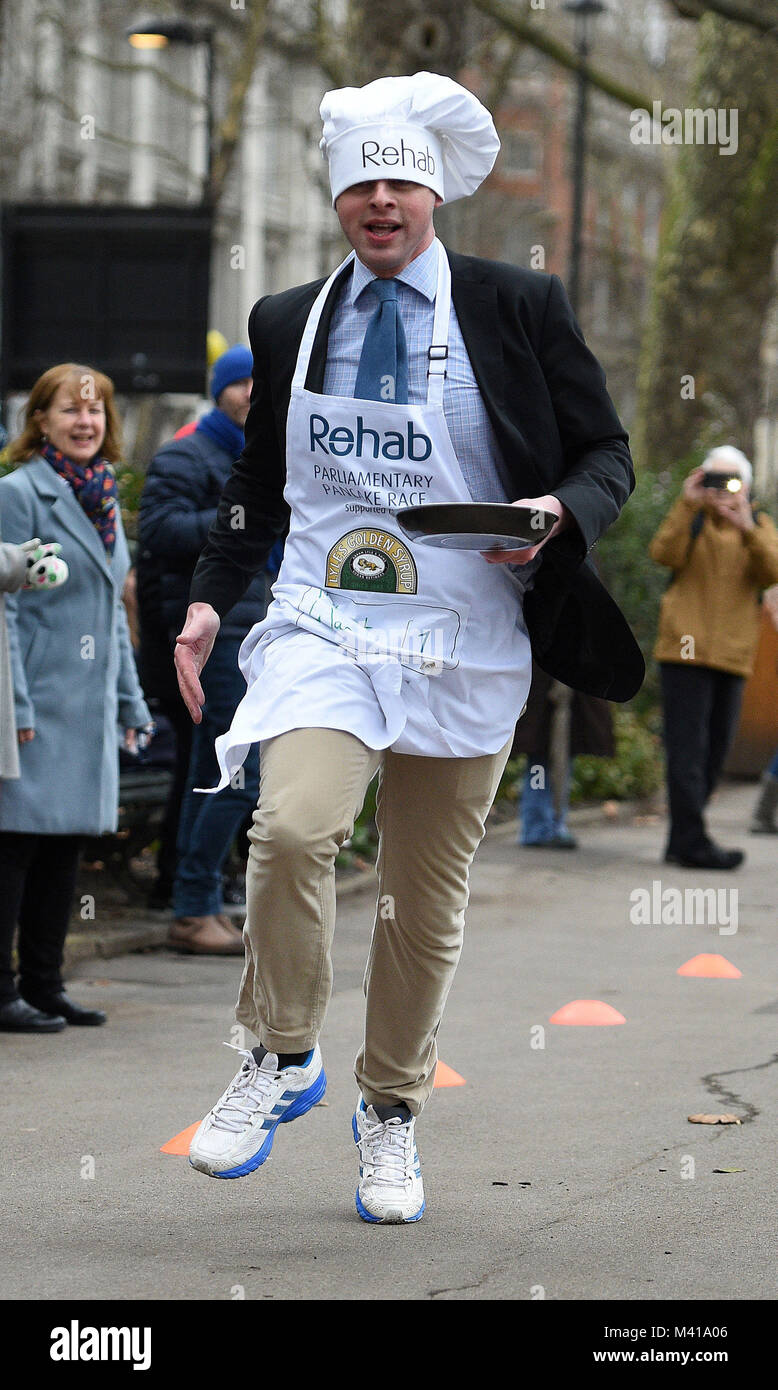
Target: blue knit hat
[[234, 365]]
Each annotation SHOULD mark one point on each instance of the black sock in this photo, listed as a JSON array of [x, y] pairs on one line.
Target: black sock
[[285, 1059], [292, 1059], [388, 1112]]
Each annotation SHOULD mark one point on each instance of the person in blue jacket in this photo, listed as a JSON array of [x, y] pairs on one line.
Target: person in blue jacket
[[180, 496]]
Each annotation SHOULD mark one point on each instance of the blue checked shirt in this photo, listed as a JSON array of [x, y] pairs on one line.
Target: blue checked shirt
[[469, 426]]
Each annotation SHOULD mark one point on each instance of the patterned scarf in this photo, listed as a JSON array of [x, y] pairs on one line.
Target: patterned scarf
[[94, 487]]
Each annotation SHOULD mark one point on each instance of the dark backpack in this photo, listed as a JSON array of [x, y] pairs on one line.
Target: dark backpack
[[694, 531]]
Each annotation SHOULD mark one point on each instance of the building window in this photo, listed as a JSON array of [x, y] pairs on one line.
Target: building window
[[521, 153]]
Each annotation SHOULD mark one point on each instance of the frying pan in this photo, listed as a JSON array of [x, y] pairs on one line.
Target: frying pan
[[475, 525]]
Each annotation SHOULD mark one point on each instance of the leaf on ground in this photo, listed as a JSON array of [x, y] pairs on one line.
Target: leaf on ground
[[714, 1120]]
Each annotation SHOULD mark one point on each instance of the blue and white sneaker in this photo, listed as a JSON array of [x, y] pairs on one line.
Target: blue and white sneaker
[[390, 1188], [237, 1136]]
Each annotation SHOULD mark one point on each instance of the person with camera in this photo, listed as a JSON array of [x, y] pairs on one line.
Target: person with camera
[[722, 552]]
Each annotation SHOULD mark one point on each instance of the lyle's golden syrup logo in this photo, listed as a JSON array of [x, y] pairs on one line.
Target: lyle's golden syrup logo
[[371, 560]]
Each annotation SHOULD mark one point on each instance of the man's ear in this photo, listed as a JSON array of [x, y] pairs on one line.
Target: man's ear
[[438, 200]]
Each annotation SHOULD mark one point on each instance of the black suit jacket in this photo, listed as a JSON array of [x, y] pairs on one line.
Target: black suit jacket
[[557, 431]]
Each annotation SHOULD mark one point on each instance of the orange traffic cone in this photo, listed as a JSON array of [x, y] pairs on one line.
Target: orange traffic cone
[[589, 1012], [717, 967], [446, 1076], [179, 1144]]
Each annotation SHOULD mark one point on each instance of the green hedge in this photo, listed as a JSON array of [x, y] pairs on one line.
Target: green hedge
[[130, 482], [634, 773]]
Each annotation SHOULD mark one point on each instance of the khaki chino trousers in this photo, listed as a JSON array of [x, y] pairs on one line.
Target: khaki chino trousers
[[431, 816]]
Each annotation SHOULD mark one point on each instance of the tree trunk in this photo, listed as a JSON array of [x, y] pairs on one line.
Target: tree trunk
[[700, 376]]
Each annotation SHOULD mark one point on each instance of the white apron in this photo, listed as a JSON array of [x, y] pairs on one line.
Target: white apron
[[404, 645]]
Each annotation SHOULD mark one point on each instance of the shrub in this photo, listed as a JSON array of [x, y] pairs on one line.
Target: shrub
[[130, 482], [636, 770]]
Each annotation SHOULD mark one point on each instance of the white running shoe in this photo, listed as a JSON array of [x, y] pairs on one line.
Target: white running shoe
[[237, 1136], [390, 1187]]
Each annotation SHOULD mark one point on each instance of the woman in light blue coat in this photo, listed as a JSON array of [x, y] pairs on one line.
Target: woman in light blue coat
[[75, 684]]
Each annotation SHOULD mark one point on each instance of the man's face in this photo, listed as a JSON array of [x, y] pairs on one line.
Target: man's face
[[388, 222], [234, 400]]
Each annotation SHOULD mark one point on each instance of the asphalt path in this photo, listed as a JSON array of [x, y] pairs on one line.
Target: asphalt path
[[565, 1168]]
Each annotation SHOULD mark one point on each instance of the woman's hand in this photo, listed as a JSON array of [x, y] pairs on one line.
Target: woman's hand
[[25, 735], [692, 489], [735, 508], [135, 740]]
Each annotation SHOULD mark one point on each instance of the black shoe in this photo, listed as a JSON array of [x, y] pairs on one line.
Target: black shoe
[[17, 1016], [563, 841], [70, 1011], [708, 857], [160, 895]]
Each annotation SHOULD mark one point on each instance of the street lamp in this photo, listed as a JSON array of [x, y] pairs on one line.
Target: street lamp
[[561, 696], [158, 33], [584, 13]]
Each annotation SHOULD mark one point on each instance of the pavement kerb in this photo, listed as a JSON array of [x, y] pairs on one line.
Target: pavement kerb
[[148, 930], [585, 815]]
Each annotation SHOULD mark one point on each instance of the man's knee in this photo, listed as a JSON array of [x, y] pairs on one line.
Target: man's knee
[[432, 926], [291, 832]]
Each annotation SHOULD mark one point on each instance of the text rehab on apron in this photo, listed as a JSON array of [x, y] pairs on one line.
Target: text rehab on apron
[[407, 646]]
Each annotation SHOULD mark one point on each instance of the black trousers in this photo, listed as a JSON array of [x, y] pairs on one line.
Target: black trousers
[[701, 709], [160, 686], [37, 885], [176, 711]]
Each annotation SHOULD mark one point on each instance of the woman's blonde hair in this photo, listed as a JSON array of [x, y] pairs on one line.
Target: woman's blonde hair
[[88, 385]]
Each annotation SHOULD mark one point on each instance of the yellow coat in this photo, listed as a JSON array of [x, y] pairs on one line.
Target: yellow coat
[[710, 612]]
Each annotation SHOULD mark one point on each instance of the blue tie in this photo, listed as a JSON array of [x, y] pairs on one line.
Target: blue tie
[[383, 366]]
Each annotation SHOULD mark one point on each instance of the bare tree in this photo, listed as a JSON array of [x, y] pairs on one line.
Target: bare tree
[[701, 376]]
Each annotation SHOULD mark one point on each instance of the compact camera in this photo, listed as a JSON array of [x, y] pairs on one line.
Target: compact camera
[[723, 482]]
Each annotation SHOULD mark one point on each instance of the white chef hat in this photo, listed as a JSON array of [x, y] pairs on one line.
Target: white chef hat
[[426, 128]]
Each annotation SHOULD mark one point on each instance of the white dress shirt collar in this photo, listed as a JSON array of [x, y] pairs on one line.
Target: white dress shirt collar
[[421, 274]]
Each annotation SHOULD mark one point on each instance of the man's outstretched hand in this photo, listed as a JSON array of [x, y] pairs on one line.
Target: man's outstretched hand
[[547, 503], [193, 648]]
